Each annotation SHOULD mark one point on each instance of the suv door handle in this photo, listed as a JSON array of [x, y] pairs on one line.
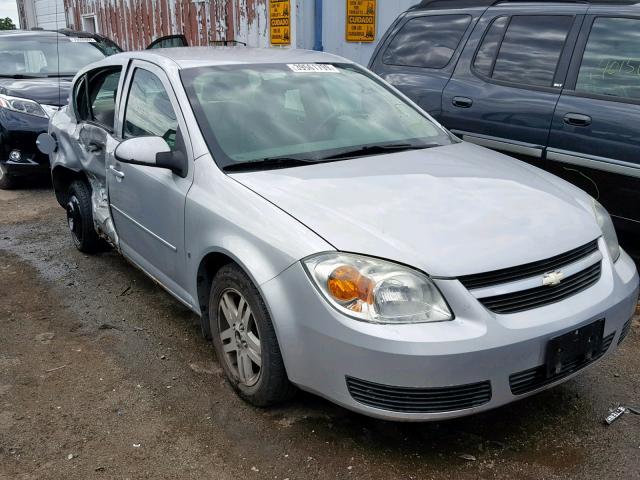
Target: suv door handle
[[577, 119], [462, 102], [116, 173]]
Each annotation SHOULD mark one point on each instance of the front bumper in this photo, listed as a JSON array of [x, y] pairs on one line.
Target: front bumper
[[324, 351], [19, 131]]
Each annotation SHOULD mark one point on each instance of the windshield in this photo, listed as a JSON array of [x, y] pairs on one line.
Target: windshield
[[304, 111], [37, 56]]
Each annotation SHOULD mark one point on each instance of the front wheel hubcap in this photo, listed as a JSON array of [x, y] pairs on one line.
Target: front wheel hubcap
[[240, 337]]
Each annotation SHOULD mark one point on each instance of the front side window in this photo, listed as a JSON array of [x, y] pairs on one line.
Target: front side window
[[255, 112], [149, 111], [527, 53], [37, 55], [611, 60], [427, 42]]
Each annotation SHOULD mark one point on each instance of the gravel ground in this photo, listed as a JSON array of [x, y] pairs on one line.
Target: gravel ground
[[104, 375]]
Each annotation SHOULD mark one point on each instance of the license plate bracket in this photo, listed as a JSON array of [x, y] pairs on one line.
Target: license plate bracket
[[575, 347]]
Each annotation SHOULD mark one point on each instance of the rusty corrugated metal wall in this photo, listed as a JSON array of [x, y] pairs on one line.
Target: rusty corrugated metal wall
[[134, 24]]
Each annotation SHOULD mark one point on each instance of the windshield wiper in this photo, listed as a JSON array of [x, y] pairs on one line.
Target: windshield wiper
[[267, 164], [379, 149]]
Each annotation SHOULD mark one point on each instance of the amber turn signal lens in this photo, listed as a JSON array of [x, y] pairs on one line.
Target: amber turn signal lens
[[346, 283]]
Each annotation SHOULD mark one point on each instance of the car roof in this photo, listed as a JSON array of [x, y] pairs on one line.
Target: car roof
[[64, 33], [189, 57]]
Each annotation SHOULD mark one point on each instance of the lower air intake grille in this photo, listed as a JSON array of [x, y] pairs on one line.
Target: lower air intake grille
[[539, 296], [625, 330], [419, 400], [534, 378]]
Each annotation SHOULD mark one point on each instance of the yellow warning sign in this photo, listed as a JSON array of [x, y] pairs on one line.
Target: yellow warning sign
[[280, 22], [361, 20]]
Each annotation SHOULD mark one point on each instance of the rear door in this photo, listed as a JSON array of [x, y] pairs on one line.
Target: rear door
[[505, 88], [419, 54], [595, 138]]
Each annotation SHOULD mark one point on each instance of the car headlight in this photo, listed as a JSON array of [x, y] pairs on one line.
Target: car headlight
[[22, 105], [608, 230], [375, 290]]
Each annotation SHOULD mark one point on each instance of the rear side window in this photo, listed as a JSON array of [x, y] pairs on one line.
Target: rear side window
[[427, 42], [483, 63], [611, 60], [528, 52], [95, 97]]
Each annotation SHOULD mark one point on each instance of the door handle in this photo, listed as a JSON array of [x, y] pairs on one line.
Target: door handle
[[116, 173], [577, 119], [462, 102]]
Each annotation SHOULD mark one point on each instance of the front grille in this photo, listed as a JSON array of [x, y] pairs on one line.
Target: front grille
[[534, 378], [481, 280], [539, 296], [419, 400], [625, 330]]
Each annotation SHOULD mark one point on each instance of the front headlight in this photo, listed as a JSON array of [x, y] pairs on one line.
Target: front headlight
[[22, 105], [608, 231], [377, 291]]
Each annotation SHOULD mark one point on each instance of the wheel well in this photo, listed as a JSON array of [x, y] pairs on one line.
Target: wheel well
[[207, 270], [62, 178]]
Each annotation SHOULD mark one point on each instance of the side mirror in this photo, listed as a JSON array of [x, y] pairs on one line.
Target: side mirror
[[151, 152]]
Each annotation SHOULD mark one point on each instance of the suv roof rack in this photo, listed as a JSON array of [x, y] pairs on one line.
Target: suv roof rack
[[433, 4]]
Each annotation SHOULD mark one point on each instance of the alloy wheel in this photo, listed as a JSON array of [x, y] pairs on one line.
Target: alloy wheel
[[240, 337]]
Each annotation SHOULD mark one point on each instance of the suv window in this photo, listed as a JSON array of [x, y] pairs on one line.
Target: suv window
[[149, 111], [97, 103], [611, 60], [529, 51], [427, 42]]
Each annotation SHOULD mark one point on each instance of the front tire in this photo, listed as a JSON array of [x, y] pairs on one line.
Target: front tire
[[245, 341], [7, 182], [80, 218]]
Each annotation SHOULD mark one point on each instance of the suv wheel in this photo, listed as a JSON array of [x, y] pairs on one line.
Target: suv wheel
[[245, 341], [80, 218], [7, 182]]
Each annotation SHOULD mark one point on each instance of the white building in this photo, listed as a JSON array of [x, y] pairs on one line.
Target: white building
[[44, 14]]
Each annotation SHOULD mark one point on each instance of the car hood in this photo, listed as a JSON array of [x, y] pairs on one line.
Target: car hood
[[46, 91], [449, 211]]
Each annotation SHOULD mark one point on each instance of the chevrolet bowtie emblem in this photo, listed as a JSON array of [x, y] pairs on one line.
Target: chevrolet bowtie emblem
[[552, 278]]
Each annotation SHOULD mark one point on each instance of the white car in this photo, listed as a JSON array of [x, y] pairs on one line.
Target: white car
[[333, 236]]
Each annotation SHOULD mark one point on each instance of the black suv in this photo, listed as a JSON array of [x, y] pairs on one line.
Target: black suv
[[556, 84]]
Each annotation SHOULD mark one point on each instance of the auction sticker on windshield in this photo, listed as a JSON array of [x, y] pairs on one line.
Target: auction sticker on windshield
[[312, 68]]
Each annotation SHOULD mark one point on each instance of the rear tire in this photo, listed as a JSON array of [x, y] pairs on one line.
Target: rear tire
[[80, 218], [7, 182], [245, 340]]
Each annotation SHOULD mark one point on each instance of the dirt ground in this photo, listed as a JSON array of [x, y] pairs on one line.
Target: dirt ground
[[104, 375]]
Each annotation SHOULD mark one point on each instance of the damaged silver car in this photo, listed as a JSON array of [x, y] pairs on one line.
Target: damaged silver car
[[332, 236]]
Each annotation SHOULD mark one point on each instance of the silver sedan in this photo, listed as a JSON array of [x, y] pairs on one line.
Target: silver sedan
[[333, 237]]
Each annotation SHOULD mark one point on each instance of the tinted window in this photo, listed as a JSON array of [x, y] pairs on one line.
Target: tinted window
[[483, 62], [611, 61], [149, 111], [530, 49], [427, 42], [169, 42]]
